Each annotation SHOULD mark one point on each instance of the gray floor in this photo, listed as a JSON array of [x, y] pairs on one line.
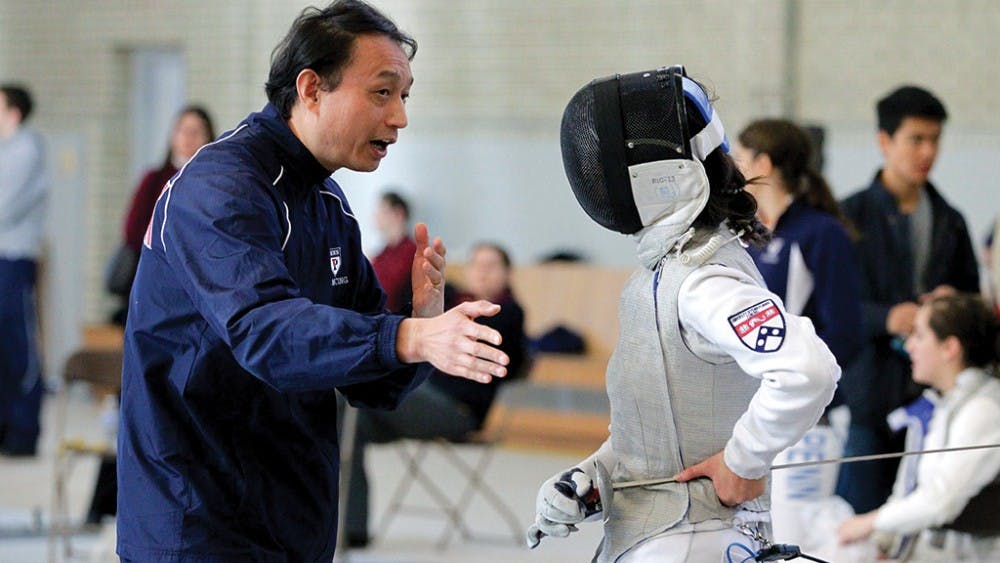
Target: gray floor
[[26, 492]]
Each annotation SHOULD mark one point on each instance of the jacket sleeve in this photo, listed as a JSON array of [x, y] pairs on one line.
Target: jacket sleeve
[[837, 292], [798, 377], [386, 392], [965, 265], [873, 313], [943, 493], [221, 233], [23, 182]]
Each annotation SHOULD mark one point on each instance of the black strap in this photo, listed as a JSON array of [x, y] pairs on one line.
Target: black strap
[[980, 517], [610, 131]]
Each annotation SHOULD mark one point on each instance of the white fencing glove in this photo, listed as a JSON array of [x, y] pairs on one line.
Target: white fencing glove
[[564, 500]]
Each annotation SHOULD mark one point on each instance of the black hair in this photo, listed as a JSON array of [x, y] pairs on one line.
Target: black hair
[[968, 318], [729, 202], [396, 201], [791, 152], [206, 120], [18, 97], [908, 101], [323, 40]]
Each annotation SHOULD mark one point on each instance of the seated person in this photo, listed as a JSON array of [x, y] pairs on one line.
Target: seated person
[[393, 262], [953, 348], [441, 408]]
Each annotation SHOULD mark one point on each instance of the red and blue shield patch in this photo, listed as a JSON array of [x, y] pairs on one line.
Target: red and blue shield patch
[[760, 327], [335, 260]]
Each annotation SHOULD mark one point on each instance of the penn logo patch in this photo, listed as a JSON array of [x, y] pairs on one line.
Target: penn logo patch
[[760, 327], [335, 260]]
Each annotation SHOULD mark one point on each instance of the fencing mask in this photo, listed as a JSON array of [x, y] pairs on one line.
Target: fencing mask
[[628, 153]]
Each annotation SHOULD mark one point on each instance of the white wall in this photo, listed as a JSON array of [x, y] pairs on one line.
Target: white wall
[[480, 158]]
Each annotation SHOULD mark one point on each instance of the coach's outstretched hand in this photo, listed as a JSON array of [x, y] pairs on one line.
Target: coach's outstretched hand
[[454, 343]]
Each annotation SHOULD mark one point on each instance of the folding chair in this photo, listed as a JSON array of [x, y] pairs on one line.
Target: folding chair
[[414, 454], [101, 369]]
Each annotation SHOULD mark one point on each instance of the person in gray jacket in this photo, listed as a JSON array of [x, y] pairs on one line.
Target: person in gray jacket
[[24, 185], [711, 377]]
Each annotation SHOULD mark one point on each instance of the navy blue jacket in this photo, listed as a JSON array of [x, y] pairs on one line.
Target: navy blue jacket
[[252, 303], [812, 266], [879, 381]]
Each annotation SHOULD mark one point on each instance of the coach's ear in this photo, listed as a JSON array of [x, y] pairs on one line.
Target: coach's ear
[[308, 84]]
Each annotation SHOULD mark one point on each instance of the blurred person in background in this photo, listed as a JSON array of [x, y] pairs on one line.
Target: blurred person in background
[[445, 407], [24, 187], [810, 261], [811, 264], [392, 264], [192, 129], [944, 506], [912, 245]]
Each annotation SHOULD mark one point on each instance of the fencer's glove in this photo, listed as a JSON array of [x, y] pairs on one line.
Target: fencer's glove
[[564, 500]]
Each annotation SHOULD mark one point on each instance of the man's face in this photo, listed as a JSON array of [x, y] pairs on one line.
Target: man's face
[[910, 152], [360, 118]]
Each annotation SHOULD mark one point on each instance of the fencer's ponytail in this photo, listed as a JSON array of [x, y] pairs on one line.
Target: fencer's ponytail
[[729, 202], [973, 322]]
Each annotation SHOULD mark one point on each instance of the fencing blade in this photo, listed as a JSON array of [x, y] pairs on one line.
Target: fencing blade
[[853, 459]]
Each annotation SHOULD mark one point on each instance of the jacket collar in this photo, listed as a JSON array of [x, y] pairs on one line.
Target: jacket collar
[[966, 383], [885, 197], [792, 211], [291, 153]]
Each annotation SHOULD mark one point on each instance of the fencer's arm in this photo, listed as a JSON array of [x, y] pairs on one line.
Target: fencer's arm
[[797, 379], [943, 492], [454, 343]]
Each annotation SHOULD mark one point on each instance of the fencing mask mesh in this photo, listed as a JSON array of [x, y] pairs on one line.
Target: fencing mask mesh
[[613, 128]]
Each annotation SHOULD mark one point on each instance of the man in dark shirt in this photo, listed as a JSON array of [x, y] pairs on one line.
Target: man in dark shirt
[[912, 245], [253, 305]]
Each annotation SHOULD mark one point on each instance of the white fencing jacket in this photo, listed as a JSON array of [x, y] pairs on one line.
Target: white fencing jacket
[[712, 363], [968, 415]]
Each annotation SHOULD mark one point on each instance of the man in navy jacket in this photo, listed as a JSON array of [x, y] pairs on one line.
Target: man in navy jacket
[[253, 302], [912, 245]]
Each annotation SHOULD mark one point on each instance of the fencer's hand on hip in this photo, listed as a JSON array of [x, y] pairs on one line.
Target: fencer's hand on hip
[[564, 500], [454, 343], [427, 274], [730, 487]]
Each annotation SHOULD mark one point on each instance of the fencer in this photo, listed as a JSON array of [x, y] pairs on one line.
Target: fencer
[[710, 377]]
